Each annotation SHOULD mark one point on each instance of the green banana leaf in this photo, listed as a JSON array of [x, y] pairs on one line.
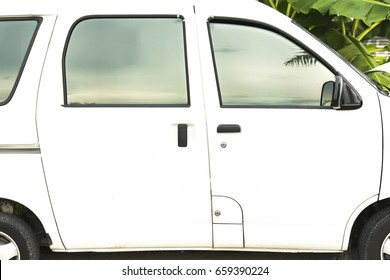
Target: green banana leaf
[[351, 49], [360, 9], [306, 6], [342, 25], [369, 11], [358, 55]]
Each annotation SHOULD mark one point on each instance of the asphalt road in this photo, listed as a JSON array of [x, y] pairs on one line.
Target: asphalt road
[[189, 255]]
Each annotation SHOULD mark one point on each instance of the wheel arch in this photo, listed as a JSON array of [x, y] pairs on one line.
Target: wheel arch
[[26, 214], [361, 219]]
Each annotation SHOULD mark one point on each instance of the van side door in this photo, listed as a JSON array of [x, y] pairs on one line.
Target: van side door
[[122, 131], [295, 166]]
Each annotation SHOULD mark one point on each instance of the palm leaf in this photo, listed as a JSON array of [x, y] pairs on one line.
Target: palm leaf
[[301, 59]]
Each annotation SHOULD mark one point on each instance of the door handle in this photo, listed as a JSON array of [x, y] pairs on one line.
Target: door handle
[[228, 128], [182, 135]]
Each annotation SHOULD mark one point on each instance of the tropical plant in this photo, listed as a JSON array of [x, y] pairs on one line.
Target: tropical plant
[[343, 25]]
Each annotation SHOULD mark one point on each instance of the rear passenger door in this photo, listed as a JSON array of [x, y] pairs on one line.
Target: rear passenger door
[[123, 134]]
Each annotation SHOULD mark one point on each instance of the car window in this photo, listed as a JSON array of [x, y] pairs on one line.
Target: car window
[[16, 36], [258, 67], [126, 61]]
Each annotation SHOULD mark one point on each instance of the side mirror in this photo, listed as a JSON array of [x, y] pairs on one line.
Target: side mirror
[[340, 96], [337, 93], [327, 94]]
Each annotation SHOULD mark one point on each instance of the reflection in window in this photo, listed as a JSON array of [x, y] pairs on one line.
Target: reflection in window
[[257, 67], [126, 61], [15, 38]]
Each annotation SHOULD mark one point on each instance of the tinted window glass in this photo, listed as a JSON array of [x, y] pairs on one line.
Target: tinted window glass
[[126, 61], [15, 39], [257, 67]]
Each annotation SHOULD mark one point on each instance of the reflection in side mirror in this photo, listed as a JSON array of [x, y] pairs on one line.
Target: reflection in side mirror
[[327, 93]]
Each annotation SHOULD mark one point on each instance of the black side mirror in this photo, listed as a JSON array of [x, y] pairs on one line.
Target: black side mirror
[[340, 96], [337, 93]]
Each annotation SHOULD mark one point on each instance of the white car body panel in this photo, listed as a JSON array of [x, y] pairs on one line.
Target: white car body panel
[[270, 161], [21, 127], [114, 179], [384, 67], [352, 219], [127, 161], [24, 178], [22, 173], [385, 184]]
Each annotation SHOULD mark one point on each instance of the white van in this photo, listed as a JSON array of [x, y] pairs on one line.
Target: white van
[[161, 125]]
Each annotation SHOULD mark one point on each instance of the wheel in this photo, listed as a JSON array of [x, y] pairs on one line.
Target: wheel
[[374, 242], [17, 240]]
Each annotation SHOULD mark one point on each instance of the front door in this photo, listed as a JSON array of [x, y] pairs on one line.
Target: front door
[[123, 134], [291, 168]]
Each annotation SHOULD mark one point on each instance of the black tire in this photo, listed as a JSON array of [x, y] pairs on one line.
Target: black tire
[[373, 236], [15, 230]]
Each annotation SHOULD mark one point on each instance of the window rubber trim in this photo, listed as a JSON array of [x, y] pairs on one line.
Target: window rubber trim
[[38, 20], [264, 26], [130, 16]]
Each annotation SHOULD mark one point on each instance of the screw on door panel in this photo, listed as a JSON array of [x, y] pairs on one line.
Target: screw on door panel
[[217, 213], [224, 145]]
